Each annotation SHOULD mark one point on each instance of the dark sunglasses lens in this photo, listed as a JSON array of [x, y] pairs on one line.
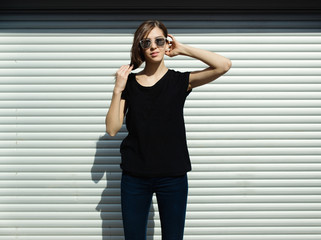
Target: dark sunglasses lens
[[145, 43], [160, 42]]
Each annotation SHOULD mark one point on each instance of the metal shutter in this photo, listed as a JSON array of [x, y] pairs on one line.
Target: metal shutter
[[254, 134]]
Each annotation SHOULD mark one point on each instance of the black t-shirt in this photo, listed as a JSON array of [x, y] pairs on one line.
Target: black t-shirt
[[156, 142]]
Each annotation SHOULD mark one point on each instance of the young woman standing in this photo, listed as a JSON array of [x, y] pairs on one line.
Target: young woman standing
[[155, 156]]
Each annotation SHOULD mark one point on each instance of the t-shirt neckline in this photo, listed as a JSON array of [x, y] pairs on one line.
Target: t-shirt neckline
[[155, 84]]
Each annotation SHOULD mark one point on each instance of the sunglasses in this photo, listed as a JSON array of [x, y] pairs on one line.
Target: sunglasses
[[146, 43]]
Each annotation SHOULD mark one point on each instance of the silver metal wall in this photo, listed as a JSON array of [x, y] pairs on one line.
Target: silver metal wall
[[254, 134]]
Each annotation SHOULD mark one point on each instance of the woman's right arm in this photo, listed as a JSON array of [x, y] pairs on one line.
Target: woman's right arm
[[115, 116]]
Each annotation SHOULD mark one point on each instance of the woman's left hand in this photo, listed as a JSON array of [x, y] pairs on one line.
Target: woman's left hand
[[174, 48]]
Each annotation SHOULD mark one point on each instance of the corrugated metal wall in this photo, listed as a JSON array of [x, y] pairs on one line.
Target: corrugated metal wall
[[254, 134]]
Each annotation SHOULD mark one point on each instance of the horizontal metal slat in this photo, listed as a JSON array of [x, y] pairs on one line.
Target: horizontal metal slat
[[192, 175], [231, 79], [126, 56], [198, 103], [109, 72], [171, 63], [61, 145], [60, 96], [195, 149], [101, 159], [62, 134], [112, 47], [207, 191], [211, 87], [127, 38], [189, 231], [195, 183], [190, 215], [130, 26], [188, 112], [36, 131], [188, 119], [192, 207], [189, 223], [197, 167], [188, 237], [191, 199]]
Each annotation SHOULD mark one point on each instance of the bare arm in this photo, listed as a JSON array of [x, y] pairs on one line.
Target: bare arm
[[115, 116], [218, 65]]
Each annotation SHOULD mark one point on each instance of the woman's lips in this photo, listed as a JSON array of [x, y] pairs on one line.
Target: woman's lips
[[154, 54]]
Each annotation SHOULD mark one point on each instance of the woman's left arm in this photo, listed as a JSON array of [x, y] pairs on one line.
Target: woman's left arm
[[218, 65]]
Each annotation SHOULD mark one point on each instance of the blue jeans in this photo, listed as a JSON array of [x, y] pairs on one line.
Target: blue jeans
[[136, 199]]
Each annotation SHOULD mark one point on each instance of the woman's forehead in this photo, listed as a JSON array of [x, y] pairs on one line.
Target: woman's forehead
[[155, 32]]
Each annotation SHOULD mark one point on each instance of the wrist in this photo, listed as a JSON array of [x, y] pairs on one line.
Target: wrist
[[117, 91], [185, 50]]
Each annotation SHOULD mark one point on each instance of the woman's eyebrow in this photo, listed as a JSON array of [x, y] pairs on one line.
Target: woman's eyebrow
[[155, 37]]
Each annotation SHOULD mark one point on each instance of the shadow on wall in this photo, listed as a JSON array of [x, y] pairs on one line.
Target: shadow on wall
[[107, 160]]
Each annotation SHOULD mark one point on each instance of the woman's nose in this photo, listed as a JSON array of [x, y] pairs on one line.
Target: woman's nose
[[153, 45]]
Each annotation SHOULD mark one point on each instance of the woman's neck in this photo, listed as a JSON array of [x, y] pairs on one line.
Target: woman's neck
[[154, 69]]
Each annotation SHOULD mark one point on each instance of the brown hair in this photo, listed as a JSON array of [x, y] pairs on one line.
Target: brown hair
[[137, 54]]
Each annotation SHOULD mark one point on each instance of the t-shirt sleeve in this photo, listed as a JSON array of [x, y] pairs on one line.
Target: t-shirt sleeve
[[183, 83], [124, 94]]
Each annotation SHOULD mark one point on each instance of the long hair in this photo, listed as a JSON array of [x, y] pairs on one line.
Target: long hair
[[137, 54]]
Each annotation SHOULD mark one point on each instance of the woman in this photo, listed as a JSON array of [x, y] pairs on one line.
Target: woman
[[154, 154]]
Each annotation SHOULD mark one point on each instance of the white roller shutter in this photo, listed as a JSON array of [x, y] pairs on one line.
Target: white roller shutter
[[254, 134]]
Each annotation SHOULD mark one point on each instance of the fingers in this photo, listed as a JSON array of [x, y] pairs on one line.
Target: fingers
[[170, 42], [130, 68], [122, 75], [168, 52], [171, 36], [125, 70]]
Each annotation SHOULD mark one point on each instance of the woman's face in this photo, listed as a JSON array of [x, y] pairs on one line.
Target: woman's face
[[155, 53]]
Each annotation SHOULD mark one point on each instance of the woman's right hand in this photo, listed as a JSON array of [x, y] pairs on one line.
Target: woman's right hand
[[121, 77]]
